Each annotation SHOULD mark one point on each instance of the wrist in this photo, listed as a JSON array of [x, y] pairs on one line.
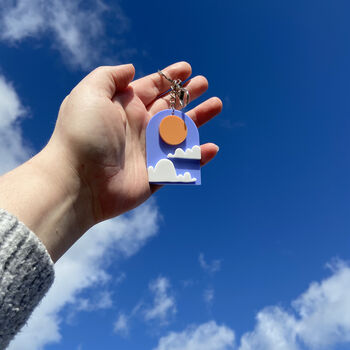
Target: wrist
[[47, 195], [69, 198]]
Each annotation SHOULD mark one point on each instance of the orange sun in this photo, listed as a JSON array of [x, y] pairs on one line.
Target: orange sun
[[172, 130]]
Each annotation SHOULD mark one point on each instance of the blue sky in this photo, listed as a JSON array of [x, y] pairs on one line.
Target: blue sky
[[256, 257]]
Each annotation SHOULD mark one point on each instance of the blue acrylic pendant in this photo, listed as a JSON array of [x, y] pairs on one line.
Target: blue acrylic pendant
[[173, 149]]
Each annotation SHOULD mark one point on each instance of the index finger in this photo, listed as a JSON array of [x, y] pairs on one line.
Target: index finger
[[150, 87]]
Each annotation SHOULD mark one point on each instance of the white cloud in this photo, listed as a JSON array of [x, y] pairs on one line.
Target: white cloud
[[207, 336], [321, 309], [162, 308], [121, 326], [13, 151], [164, 171], [21, 19], [212, 267], [103, 300], [84, 266], [163, 303], [190, 153], [99, 301], [318, 320], [275, 330], [208, 295], [77, 30]]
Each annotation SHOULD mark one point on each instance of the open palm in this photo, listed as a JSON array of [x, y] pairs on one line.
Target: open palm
[[102, 125]]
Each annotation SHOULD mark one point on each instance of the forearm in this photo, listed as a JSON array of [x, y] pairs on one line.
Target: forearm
[[45, 194]]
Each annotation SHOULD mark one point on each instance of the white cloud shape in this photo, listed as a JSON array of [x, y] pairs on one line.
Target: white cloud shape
[[77, 31], [164, 171], [207, 336], [163, 303], [190, 153]]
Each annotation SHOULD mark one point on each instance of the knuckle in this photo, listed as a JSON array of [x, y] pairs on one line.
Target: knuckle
[[64, 102], [100, 69]]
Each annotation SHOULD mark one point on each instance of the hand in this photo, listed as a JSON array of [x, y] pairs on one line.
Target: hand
[[102, 123], [94, 166]]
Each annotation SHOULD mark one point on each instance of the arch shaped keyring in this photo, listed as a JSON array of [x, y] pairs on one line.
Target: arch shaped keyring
[[177, 91]]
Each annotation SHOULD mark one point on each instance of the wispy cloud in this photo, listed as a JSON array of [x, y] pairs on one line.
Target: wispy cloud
[[100, 300], [207, 336], [77, 29], [103, 300], [163, 302], [159, 311], [208, 296], [210, 267], [121, 326], [13, 150]]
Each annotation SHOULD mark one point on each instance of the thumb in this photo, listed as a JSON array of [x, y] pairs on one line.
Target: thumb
[[110, 79]]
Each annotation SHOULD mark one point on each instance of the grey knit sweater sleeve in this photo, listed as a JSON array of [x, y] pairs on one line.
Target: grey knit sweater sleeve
[[26, 273]]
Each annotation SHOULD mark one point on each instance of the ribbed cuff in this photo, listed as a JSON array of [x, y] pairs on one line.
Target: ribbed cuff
[[26, 274]]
